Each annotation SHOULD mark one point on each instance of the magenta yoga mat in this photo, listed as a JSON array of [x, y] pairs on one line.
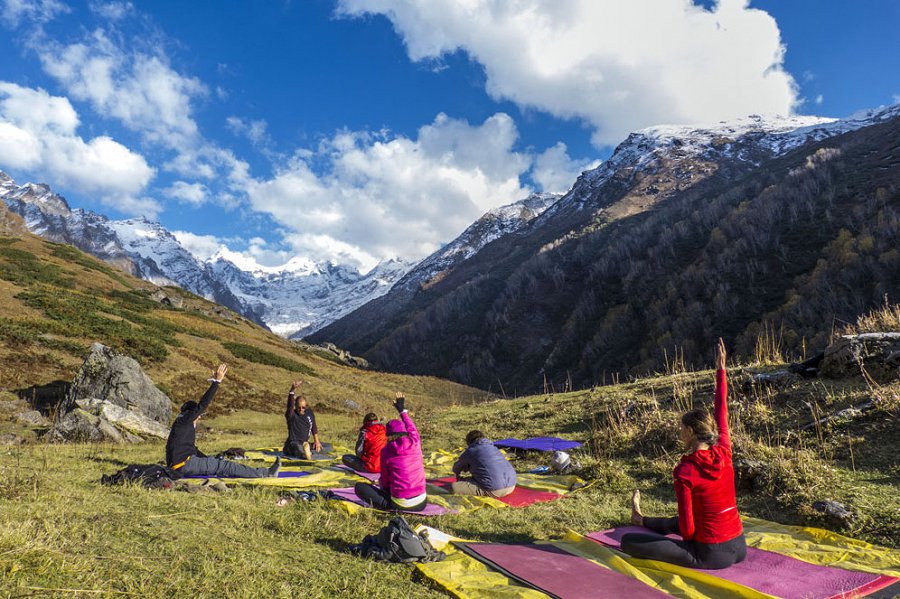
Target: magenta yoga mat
[[776, 574], [431, 509], [557, 573]]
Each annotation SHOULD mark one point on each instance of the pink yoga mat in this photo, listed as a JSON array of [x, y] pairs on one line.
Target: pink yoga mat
[[371, 476], [348, 494], [557, 573], [776, 574], [520, 497]]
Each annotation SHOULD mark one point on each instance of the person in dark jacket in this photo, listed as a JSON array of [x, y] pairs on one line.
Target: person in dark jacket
[[182, 454], [491, 474], [711, 532], [301, 425], [371, 440]]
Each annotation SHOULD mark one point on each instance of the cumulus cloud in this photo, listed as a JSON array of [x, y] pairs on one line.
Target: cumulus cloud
[[372, 195], [189, 193], [139, 89], [14, 12], [616, 65], [38, 132], [254, 130], [555, 172], [202, 247]]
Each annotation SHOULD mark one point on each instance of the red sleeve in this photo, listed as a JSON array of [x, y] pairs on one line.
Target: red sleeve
[[721, 408], [685, 507]]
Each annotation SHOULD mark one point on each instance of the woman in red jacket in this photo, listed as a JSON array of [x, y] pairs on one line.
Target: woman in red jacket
[[371, 440], [708, 521]]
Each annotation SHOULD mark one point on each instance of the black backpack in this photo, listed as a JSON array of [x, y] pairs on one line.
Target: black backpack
[[398, 543], [150, 476]]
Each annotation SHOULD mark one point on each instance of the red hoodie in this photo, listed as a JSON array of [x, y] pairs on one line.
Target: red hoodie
[[704, 484], [372, 439]]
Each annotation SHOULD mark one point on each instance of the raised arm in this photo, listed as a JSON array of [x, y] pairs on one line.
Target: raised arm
[[207, 398], [411, 430], [721, 399], [292, 398]]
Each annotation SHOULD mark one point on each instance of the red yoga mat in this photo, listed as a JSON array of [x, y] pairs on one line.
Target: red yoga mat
[[520, 497], [557, 573], [776, 574]]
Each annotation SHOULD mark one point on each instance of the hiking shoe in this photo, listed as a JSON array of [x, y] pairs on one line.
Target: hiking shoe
[[274, 468]]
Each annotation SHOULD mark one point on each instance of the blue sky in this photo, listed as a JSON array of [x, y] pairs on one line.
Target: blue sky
[[357, 130]]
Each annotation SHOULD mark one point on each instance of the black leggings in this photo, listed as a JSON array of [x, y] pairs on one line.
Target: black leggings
[[381, 499], [690, 554]]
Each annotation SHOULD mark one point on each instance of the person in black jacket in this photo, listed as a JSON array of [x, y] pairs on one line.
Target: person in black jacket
[[301, 425], [182, 454]]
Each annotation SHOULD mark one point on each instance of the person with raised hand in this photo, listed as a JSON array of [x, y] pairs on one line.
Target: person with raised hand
[[711, 532], [402, 483], [301, 425], [182, 454]]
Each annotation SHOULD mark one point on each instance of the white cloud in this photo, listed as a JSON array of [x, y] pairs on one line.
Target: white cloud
[[39, 132], [819, 99], [617, 65], [385, 196], [190, 193], [14, 12], [203, 247], [140, 90], [112, 11], [555, 172], [254, 130]]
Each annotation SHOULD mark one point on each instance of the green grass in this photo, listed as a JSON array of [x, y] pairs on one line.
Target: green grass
[[260, 356], [61, 529]]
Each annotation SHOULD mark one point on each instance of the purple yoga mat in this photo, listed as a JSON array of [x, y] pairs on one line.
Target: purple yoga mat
[[538, 444], [281, 474], [776, 574], [371, 476], [431, 509], [558, 573]]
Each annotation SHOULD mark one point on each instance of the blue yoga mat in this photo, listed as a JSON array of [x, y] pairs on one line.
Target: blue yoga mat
[[538, 444], [281, 474]]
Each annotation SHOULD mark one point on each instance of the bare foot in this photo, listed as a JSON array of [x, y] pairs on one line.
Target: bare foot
[[637, 518]]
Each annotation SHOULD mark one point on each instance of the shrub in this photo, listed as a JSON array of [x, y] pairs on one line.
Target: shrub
[[259, 356], [24, 268]]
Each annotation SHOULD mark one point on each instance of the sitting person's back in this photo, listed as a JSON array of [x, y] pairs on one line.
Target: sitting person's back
[[491, 474], [369, 445]]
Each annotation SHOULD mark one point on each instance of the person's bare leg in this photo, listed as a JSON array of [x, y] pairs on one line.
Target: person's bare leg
[[637, 518]]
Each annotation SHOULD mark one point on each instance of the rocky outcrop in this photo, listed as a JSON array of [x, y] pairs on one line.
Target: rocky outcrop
[[167, 299], [876, 353], [111, 400], [110, 376]]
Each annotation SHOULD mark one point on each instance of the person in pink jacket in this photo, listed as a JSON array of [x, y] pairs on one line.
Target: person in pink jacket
[[402, 483]]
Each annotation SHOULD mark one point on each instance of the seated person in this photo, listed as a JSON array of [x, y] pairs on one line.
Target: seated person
[[711, 531], [491, 474], [301, 423], [182, 454], [369, 444], [402, 483]]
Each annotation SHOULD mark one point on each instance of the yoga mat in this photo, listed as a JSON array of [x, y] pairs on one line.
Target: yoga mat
[[370, 476], [776, 574], [520, 497], [281, 474], [431, 509], [556, 572], [538, 444]]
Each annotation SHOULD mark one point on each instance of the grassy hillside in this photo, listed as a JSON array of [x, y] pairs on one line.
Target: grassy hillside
[[55, 301], [60, 530]]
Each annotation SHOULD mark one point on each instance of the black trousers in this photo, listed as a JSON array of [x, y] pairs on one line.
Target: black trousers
[[380, 499], [352, 461], [690, 554], [293, 449]]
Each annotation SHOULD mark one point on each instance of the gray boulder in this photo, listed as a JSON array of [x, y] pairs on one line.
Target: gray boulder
[[125, 420], [167, 299], [878, 353], [836, 514], [80, 425], [110, 376], [32, 418]]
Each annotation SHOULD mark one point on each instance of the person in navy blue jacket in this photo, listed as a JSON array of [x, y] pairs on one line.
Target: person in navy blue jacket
[[490, 475]]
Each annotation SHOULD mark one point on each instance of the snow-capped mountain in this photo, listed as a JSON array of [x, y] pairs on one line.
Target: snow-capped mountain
[[292, 300], [494, 224], [750, 140]]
